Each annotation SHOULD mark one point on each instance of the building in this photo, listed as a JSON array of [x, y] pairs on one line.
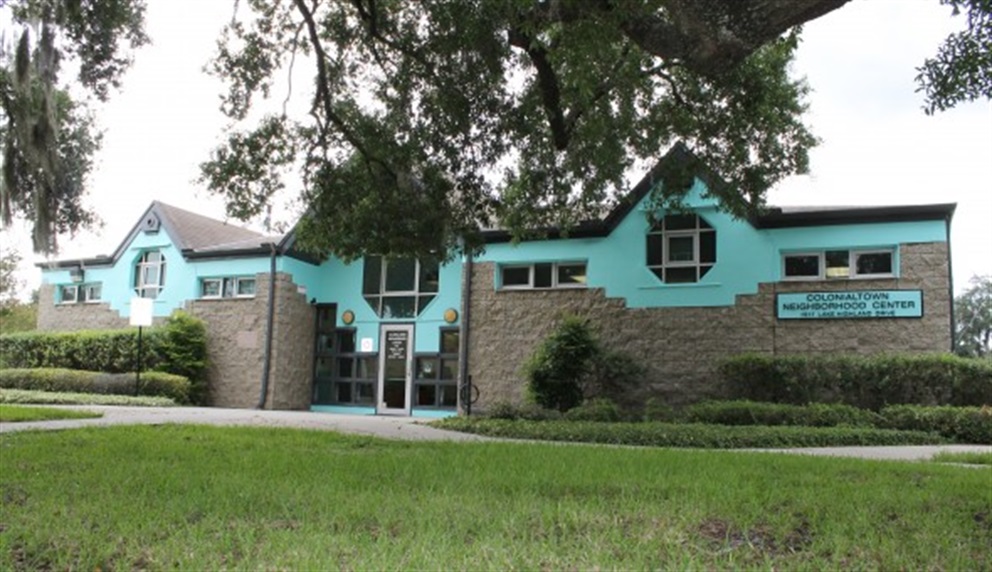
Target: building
[[678, 291]]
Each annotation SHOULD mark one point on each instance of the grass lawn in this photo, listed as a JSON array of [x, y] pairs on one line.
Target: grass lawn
[[205, 498], [16, 413], [965, 458]]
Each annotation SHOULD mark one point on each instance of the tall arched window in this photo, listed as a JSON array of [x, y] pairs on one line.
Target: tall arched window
[[681, 248], [149, 274]]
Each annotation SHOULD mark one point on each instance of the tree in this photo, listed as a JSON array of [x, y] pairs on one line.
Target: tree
[[431, 120], [973, 317], [9, 282], [46, 128]]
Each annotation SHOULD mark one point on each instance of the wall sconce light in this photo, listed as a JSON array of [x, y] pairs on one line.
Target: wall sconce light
[[348, 317], [451, 315]]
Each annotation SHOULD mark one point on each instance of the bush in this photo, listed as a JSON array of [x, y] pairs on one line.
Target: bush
[[558, 365], [755, 413], [21, 396], [963, 424], [183, 351], [863, 382], [612, 375], [600, 409], [177, 347], [153, 383], [502, 410], [688, 435], [657, 410]]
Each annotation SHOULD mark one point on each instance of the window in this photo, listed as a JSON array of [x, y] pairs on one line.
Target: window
[[838, 264], [399, 287], [73, 293], [436, 381], [149, 274], [352, 374], [233, 287], [681, 248], [543, 275]]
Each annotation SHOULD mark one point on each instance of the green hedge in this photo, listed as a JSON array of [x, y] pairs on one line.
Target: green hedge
[[865, 382], [757, 413], [153, 383], [177, 347], [687, 435], [963, 424]]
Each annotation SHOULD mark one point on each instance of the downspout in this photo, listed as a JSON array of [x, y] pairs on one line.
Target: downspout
[[269, 319], [465, 383], [950, 284]]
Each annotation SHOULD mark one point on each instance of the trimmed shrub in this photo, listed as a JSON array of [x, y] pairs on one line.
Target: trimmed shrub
[[863, 382], [183, 350], [153, 383], [534, 412], [602, 410], [755, 413], [558, 365], [112, 351], [502, 410], [177, 347], [963, 424], [687, 435], [657, 410]]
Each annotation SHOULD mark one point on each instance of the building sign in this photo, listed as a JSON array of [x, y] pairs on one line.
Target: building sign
[[850, 304]]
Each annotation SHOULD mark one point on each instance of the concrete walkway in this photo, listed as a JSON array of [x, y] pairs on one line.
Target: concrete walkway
[[406, 428]]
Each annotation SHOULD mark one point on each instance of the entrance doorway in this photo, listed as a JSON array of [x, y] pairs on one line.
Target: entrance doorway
[[395, 369]]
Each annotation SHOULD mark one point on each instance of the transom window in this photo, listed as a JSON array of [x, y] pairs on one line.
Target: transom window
[[543, 275], [149, 274], [228, 287], [80, 293], [681, 248], [838, 264], [399, 287]]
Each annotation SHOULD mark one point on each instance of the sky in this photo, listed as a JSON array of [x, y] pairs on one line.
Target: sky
[[877, 146]]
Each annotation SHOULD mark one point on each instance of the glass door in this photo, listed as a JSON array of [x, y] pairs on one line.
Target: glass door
[[395, 368]]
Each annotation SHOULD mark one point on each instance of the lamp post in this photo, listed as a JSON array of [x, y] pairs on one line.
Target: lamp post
[[141, 315]]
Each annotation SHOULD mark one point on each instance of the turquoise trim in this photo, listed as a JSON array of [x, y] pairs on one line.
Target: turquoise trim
[[343, 409]]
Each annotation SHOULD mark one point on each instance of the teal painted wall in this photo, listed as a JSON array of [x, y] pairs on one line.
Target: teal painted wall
[[182, 277], [746, 256], [335, 282]]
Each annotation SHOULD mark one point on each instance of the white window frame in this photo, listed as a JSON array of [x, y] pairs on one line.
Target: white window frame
[[141, 287], [695, 234], [82, 293], [223, 282], [74, 288], [852, 264], [555, 285]]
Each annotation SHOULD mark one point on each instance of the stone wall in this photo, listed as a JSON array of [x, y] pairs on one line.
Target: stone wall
[[236, 347], [54, 317], [680, 347]]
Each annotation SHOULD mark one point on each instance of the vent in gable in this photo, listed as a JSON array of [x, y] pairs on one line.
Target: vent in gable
[[151, 223]]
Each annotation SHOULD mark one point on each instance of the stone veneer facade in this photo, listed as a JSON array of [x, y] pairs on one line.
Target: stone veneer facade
[[74, 317], [681, 347], [235, 341], [236, 346]]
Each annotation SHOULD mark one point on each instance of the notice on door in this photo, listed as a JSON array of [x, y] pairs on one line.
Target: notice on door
[[396, 345], [849, 304]]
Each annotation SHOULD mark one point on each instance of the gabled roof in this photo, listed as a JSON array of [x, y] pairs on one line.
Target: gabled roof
[[194, 235], [682, 158]]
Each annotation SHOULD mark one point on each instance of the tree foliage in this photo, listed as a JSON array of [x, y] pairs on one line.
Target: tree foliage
[[47, 132], [973, 317], [962, 69], [431, 120]]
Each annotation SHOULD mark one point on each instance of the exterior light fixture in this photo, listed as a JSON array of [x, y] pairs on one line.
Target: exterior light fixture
[[348, 317], [451, 315]]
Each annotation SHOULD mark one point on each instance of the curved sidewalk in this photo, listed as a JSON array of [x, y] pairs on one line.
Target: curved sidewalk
[[406, 428]]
